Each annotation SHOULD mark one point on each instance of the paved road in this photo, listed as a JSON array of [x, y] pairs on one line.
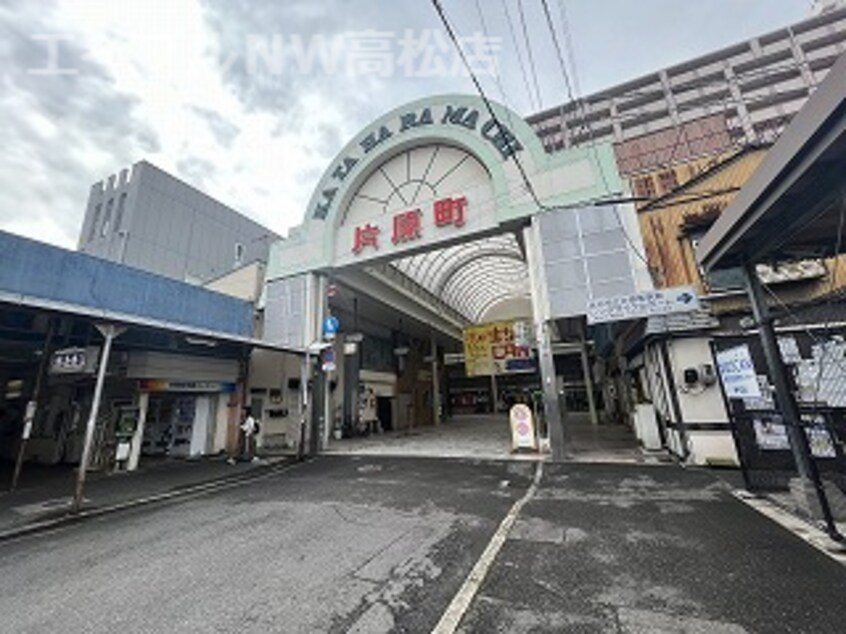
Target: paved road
[[383, 544]]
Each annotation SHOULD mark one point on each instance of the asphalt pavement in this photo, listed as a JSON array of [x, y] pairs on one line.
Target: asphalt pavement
[[43, 496], [379, 544]]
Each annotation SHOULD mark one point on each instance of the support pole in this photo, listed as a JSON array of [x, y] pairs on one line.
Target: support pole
[[305, 374], [494, 392], [32, 406], [436, 384], [786, 401], [109, 332], [552, 410], [321, 406], [138, 436], [594, 418]]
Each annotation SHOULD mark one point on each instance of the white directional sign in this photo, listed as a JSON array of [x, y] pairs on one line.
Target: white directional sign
[[678, 299]]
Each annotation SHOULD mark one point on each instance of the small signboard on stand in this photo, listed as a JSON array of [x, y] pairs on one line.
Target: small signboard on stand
[[523, 435]]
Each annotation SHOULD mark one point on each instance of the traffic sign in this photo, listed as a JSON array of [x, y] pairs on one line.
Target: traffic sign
[[331, 325], [327, 360]]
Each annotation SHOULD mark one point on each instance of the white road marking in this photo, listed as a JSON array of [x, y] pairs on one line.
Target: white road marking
[[451, 618]]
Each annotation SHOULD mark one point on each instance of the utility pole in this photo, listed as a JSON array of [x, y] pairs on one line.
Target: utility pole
[[109, 332]]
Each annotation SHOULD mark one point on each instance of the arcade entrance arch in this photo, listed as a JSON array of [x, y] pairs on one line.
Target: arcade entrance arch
[[442, 215]]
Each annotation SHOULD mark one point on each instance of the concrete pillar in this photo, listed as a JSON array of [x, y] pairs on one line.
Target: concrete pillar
[[552, 408], [138, 436], [594, 418], [540, 317], [740, 105]]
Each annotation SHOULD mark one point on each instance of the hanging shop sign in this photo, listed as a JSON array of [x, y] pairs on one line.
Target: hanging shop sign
[[74, 361], [493, 349], [678, 299], [164, 385], [738, 373], [522, 428]]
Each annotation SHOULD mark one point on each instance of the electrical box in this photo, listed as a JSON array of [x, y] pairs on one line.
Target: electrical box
[[708, 374]]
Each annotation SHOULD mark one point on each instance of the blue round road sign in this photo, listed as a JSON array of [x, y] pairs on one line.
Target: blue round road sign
[[331, 325]]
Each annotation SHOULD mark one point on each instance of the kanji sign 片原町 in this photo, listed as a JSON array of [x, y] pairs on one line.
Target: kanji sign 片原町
[[409, 225]]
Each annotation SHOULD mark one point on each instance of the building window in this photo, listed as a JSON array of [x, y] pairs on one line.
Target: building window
[[107, 218], [119, 214], [668, 181], [239, 254], [644, 187], [718, 280], [94, 222]]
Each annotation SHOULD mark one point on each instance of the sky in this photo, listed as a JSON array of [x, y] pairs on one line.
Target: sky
[[223, 95]]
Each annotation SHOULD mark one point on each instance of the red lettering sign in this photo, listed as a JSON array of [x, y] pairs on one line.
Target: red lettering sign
[[406, 226], [366, 236], [450, 211]]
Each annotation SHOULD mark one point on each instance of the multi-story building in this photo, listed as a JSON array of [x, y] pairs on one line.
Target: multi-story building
[[686, 138], [739, 95], [145, 218]]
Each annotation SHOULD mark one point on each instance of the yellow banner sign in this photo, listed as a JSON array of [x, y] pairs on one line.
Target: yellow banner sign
[[493, 349]]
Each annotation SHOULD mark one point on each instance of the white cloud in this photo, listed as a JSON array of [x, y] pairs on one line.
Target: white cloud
[[151, 85]]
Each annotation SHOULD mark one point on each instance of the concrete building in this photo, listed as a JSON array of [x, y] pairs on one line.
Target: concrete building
[[145, 218], [741, 94]]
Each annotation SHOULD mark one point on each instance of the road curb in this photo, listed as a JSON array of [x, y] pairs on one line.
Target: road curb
[[189, 491]]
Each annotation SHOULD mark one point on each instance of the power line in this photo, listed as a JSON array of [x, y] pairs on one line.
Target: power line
[[529, 51], [615, 200], [497, 75], [519, 54], [571, 55], [635, 248], [488, 106]]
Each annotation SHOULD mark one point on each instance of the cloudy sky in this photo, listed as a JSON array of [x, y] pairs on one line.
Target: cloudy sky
[[213, 92]]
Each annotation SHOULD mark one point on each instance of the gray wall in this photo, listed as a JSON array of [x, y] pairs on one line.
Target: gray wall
[[152, 221], [286, 311], [585, 255]]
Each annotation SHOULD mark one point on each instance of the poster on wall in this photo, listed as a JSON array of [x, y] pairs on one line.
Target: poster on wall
[[770, 435], [500, 347], [819, 440], [738, 373]]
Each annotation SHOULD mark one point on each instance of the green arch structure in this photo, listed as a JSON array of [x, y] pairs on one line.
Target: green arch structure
[[463, 121]]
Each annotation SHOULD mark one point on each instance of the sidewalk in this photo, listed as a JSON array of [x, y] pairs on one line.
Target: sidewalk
[[44, 493]]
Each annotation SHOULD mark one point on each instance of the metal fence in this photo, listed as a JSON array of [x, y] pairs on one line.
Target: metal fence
[[816, 365]]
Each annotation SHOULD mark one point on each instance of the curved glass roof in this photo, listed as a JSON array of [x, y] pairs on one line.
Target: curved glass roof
[[471, 277]]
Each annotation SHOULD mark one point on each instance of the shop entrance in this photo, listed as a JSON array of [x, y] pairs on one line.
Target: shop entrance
[[444, 218], [179, 425]]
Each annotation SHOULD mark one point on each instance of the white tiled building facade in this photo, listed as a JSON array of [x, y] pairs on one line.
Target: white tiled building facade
[[741, 94]]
